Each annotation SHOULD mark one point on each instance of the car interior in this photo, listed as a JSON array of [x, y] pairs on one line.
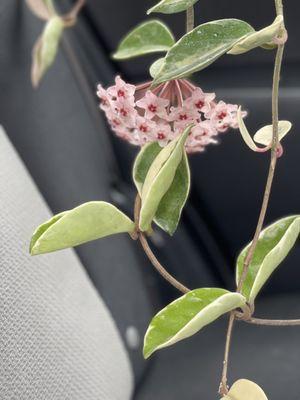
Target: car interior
[[72, 323]]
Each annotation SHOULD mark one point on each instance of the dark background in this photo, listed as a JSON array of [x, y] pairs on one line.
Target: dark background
[[64, 141]]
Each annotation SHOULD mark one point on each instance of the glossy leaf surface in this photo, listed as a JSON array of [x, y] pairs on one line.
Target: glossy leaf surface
[[155, 67], [257, 39], [201, 47], [170, 207], [143, 162], [187, 315], [148, 37], [172, 6], [159, 178], [274, 244]]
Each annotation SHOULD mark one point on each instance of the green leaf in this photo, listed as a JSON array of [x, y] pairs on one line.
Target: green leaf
[[42, 229], [143, 162], [187, 315], [45, 49], [245, 390], [148, 37], [201, 47], [170, 207], [159, 178], [274, 244], [89, 221], [257, 39], [155, 67], [265, 134], [172, 6]]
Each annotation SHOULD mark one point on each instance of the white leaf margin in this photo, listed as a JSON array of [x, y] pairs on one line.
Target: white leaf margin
[[274, 257], [223, 304]]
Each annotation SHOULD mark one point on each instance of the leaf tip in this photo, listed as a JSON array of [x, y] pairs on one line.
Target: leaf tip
[[147, 350], [146, 354], [33, 247], [33, 251], [117, 55]]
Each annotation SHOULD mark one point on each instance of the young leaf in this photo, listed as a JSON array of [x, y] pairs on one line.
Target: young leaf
[[148, 37], [45, 49], [85, 223], [172, 6], [155, 67], [274, 244], [201, 47], [143, 162], [265, 134], [159, 178], [257, 39], [245, 390], [187, 315], [244, 131], [170, 207]]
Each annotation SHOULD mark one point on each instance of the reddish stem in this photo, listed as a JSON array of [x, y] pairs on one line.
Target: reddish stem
[[143, 86], [165, 90], [179, 93]]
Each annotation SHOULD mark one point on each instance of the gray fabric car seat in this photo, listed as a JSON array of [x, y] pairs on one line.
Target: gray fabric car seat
[[57, 338]]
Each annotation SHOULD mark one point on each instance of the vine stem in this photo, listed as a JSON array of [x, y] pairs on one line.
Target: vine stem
[[279, 7], [190, 19], [275, 93], [273, 322], [70, 17], [149, 253]]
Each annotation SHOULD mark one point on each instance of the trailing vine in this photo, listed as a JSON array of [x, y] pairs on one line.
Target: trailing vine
[[169, 117]]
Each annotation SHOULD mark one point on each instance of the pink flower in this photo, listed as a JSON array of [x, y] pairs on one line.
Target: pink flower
[[224, 116], [104, 98], [162, 133], [183, 116], [200, 100], [203, 129], [140, 115], [144, 129], [153, 105], [126, 112], [201, 135], [121, 91]]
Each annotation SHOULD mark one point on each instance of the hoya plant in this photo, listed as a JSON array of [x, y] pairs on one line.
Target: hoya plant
[[169, 118]]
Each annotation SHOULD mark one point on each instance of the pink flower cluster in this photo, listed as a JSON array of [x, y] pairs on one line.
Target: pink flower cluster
[[140, 115]]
